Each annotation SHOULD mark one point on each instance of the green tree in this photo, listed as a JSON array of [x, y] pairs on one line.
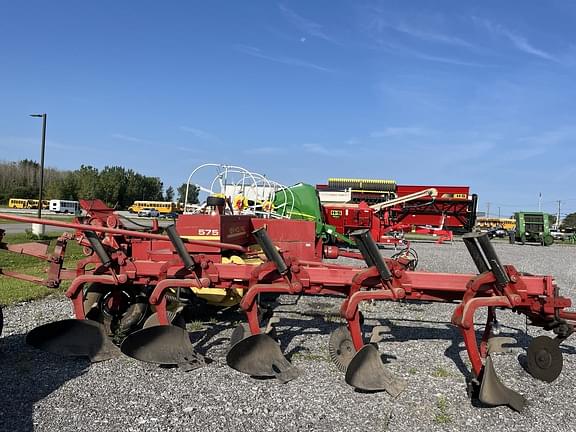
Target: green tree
[[569, 221], [551, 219], [192, 194], [170, 194], [152, 188], [134, 188], [88, 182], [69, 187], [113, 184], [29, 174]]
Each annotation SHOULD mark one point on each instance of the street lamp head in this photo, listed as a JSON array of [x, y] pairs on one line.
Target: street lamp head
[[37, 115]]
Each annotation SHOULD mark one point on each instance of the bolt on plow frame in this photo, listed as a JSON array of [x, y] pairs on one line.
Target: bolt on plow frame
[[253, 257]]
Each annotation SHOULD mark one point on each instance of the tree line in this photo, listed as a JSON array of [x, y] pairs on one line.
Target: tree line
[[569, 222], [115, 185]]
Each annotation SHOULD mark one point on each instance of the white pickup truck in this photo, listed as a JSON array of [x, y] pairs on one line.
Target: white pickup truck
[[559, 235]]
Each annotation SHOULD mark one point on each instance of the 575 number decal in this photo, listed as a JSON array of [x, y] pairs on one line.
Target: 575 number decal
[[208, 232]]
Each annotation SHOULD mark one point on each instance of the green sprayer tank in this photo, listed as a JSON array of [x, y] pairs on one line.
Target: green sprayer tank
[[533, 227]]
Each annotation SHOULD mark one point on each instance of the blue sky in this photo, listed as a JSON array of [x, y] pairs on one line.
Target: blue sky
[[423, 92]]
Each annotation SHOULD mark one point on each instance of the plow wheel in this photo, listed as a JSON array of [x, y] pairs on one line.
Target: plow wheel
[[341, 347], [120, 309], [544, 358]]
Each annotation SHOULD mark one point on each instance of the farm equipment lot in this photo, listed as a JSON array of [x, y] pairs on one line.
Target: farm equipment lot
[[41, 391]]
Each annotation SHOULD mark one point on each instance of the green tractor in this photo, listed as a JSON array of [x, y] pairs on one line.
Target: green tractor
[[532, 227]]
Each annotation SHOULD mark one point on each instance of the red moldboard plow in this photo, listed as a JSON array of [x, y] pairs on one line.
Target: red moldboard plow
[[496, 286], [138, 283]]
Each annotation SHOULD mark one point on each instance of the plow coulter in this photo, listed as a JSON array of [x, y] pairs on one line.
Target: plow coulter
[[134, 292]]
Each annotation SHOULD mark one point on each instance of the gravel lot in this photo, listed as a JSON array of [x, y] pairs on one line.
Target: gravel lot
[[43, 392]]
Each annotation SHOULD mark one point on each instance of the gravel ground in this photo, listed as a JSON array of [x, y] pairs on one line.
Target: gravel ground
[[40, 391]]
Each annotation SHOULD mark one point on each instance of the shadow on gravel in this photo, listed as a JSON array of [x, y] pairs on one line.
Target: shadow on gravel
[[27, 376], [291, 328], [400, 333], [205, 340]]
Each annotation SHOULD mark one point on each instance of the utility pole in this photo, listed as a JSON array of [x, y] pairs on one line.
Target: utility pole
[[558, 216], [540, 202], [488, 209]]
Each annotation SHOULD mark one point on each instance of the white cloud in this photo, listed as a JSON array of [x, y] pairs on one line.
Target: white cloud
[[199, 133], [291, 61], [12, 142], [517, 40], [425, 35], [450, 155], [187, 149], [545, 140], [399, 49], [400, 132], [523, 45], [18, 142], [323, 150], [128, 138], [306, 26], [264, 150]]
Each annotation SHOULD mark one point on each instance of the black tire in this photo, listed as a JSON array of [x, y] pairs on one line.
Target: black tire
[[125, 321], [1, 321]]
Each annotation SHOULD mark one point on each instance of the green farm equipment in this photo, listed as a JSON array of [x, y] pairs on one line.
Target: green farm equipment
[[532, 227], [301, 202]]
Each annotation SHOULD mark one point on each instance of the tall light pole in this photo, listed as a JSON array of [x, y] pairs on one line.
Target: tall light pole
[[43, 116], [540, 202]]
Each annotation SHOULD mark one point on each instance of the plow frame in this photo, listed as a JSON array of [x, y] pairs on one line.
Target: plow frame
[[284, 272]]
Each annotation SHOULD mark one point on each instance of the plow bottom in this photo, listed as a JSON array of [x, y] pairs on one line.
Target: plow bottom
[[163, 345], [494, 393], [76, 338], [366, 372], [260, 356]]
